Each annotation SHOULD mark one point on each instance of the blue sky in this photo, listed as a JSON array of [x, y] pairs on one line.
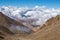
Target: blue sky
[[31, 3]]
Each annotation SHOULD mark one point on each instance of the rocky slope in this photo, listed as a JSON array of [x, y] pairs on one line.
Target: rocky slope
[[5, 22], [49, 31]]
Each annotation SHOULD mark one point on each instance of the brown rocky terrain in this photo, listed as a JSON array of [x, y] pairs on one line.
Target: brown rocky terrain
[[49, 31], [5, 25]]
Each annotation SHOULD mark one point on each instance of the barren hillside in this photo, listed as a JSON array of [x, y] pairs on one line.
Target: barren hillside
[[49, 31]]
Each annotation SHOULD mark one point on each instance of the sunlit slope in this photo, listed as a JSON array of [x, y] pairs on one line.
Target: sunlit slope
[[50, 31]]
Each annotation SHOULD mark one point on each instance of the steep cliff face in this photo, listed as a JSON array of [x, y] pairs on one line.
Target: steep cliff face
[[4, 25]]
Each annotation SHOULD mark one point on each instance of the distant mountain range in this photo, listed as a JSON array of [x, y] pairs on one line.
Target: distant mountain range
[[37, 15], [25, 19], [21, 20]]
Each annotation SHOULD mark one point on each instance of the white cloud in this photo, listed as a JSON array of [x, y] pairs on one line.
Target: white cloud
[[39, 14]]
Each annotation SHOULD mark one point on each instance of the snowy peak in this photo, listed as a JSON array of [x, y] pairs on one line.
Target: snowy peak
[[38, 14]]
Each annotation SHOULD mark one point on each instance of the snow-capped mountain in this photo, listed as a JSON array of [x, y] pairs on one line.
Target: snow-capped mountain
[[34, 16]]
